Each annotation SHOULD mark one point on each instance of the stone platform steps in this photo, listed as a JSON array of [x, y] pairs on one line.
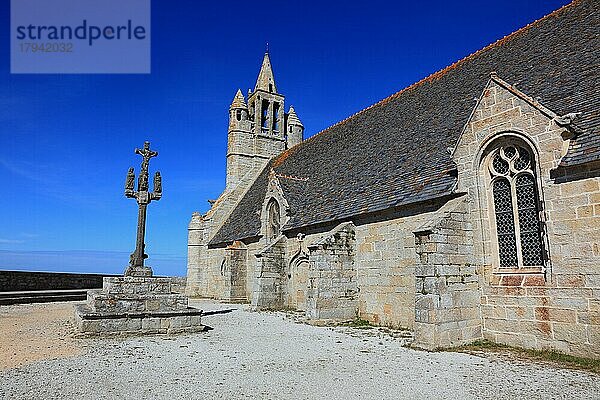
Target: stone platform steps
[[91, 322], [137, 305], [42, 296]]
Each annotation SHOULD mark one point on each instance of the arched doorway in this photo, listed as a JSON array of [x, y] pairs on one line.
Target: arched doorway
[[297, 282]]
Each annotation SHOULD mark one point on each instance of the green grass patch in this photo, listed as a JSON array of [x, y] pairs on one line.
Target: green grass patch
[[358, 323], [552, 356]]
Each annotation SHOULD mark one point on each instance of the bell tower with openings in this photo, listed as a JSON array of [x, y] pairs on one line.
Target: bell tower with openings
[[259, 129]]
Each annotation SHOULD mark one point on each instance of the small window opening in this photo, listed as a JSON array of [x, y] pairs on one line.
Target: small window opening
[[264, 121], [251, 116], [276, 117]]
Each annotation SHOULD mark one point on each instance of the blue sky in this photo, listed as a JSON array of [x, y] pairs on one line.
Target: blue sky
[[66, 141]]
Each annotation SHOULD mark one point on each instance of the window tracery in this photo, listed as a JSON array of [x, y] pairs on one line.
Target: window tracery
[[516, 208]]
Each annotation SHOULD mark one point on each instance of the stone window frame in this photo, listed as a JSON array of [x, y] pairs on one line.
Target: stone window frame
[[487, 152], [273, 219], [274, 193], [265, 228]]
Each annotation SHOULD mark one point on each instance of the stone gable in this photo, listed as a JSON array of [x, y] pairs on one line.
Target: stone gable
[[555, 306]]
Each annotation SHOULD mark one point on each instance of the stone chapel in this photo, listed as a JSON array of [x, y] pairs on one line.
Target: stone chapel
[[465, 206]]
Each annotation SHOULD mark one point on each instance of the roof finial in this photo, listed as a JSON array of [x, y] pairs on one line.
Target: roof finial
[[267, 50]]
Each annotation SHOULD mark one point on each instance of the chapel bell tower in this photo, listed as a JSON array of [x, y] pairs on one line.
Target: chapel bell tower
[[260, 129]]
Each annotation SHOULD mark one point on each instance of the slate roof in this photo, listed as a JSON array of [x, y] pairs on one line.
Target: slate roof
[[395, 152]]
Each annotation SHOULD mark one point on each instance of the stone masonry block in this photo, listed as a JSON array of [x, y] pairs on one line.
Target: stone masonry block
[[151, 324], [571, 333]]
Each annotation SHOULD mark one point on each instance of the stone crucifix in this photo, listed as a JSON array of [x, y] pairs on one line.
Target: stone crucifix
[[144, 197]]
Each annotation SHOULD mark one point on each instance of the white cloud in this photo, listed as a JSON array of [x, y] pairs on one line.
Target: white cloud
[[11, 241]]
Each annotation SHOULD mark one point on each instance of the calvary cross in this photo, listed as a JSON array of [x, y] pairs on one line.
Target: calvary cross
[[144, 197]]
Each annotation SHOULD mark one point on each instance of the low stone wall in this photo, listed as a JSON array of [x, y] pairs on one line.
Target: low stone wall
[[26, 280], [13, 281]]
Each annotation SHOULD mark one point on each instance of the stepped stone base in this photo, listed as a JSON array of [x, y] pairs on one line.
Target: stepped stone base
[[136, 305]]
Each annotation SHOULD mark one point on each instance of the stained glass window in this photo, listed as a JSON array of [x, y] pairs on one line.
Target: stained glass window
[[516, 208], [505, 223]]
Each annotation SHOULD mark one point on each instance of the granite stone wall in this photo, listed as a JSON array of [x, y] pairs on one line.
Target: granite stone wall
[[26, 280], [178, 284], [270, 278], [556, 307], [447, 295], [235, 271], [332, 291], [204, 264], [386, 258]]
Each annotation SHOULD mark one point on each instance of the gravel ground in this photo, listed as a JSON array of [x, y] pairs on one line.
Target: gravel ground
[[32, 332], [269, 356]]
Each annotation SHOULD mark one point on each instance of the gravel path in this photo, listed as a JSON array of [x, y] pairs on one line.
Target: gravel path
[[268, 356]]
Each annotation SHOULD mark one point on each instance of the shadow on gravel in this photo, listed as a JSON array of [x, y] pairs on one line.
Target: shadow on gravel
[[205, 313]]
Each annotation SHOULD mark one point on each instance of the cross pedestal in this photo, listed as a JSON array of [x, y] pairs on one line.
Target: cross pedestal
[[138, 303]]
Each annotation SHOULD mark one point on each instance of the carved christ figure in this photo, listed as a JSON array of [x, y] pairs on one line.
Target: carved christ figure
[[146, 154]]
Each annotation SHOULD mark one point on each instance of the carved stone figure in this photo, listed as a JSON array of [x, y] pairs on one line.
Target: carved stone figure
[[157, 182], [143, 197], [146, 154], [130, 181]]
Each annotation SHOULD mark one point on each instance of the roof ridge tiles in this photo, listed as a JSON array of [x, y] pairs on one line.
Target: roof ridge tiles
[[294, 178]]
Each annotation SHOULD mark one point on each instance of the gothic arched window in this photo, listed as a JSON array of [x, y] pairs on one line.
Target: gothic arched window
[[516, 207], [273, 220]]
